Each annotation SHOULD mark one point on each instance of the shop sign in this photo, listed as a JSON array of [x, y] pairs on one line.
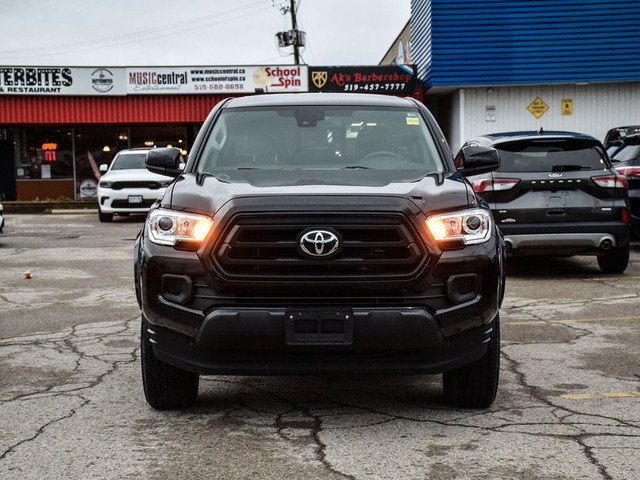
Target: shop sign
[[567, 106], [88, 188], [490, 113], [225, 80], [62, 81], [380, 79], [102, 81]]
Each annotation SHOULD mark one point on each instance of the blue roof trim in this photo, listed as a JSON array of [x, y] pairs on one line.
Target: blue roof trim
[[456, 42]]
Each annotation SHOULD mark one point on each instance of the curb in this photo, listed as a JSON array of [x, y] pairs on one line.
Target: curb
[[35, 207], [83, 211]]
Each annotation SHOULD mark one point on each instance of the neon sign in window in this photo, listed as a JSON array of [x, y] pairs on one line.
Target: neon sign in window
[[49, 151]]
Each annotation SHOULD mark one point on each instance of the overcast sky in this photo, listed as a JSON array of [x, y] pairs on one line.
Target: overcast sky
[[194, 32]]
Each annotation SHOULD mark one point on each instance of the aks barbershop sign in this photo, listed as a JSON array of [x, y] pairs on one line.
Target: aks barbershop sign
[[375, 79]]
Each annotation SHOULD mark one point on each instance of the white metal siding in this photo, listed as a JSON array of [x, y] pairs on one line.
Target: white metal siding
[[596, 109]]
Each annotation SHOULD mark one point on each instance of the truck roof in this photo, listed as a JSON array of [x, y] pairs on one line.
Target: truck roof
[[287, 99]]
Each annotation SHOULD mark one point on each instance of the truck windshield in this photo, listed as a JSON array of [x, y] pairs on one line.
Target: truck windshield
[[321, 139]]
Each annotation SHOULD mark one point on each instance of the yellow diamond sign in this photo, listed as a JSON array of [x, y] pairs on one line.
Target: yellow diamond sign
[[538, 107]]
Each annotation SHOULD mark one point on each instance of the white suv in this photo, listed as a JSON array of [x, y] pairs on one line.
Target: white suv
[[127, 186]]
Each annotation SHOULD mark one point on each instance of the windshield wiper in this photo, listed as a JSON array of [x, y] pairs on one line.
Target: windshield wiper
[[356, 167]]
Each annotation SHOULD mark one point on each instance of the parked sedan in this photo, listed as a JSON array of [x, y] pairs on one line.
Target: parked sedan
[[626, 160], [557, 193], [127, 186]]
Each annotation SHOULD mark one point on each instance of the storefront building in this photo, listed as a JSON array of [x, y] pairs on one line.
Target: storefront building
[[489, 67], [58, 124]]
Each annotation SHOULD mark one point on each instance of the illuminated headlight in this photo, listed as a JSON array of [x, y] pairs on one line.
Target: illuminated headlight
[[469, 226], [104, 184], [168, 227]]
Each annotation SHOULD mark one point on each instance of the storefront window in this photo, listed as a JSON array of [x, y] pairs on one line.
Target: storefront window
[[95, 145], [44, 154], [159, 136]]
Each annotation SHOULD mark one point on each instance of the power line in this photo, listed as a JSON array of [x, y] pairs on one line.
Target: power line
[[145, 35]]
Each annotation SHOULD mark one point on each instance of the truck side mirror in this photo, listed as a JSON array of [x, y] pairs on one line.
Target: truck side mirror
[[473, 160], [165, 161]]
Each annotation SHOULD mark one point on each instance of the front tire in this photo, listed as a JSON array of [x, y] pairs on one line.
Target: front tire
[[615, 260], [165, 387], [105, 217], [475, 385]]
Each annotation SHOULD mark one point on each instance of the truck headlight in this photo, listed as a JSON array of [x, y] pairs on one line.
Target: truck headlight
[[468, 226], [168, 227]]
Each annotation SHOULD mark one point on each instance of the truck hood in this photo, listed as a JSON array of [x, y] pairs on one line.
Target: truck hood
[[429, 194]]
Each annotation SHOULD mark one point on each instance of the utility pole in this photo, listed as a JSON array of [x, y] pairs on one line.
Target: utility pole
[[294, 27], [294, 37]]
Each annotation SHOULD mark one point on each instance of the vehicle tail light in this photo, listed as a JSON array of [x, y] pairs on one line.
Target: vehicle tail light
[[628, 171], [611, 181], [483, 185], [625, 215], [496, 185]]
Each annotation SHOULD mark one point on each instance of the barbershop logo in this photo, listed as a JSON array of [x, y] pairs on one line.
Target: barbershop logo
[[102, 80], [319, 78]]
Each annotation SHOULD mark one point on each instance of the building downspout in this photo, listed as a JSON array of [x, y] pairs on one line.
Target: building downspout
[[461, 130], [73, 155]]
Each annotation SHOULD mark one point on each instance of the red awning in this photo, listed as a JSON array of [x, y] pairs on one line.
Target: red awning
[[129, 109]]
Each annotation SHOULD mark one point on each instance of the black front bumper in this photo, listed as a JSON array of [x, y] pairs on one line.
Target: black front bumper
[[250, 342]]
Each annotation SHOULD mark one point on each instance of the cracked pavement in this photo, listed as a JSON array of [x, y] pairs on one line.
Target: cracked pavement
[[71, 401]]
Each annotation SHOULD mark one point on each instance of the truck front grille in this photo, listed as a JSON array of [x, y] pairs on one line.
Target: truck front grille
[[146, 203], [152, 185], [374, 248]]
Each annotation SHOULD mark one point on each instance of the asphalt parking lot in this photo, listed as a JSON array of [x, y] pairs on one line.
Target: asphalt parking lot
[[71, 401]]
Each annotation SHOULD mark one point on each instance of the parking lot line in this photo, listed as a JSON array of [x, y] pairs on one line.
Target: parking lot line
[[572, 320], [589, 396], [566, 280]]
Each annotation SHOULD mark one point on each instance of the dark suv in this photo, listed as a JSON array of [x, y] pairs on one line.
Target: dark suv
[[319, 233], [626, 160], [557, 193]]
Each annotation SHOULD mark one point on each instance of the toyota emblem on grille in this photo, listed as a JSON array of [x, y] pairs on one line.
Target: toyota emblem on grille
[[321, 244]]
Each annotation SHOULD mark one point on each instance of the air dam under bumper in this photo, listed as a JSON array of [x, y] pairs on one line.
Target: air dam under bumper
[[389, 340]]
